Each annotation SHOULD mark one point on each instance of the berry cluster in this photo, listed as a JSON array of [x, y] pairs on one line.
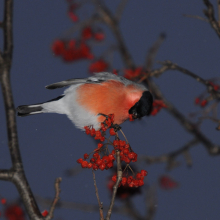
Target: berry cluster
[[131, 74], [157, 106], [71, 50], [103, 159], [98, 66], [201, 102], [88, 33], [131, 181]]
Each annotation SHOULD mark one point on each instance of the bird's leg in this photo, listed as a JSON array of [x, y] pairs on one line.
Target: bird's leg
[[116, 127], [106, 116]]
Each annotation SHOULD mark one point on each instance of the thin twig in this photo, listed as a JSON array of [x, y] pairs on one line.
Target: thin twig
[[196, 17], [56, 198], [97, 195], [119, 178], [170, 157], [112, 22], [153, 52], [120, 9]]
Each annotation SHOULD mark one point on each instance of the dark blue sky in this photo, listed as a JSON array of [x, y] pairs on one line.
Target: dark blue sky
[[50, 144]]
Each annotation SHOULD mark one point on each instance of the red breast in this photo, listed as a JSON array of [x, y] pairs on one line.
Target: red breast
[[110, 97]]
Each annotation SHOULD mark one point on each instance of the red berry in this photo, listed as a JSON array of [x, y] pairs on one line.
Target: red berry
[[44, 213], [116, 143], [96, 155], [102, 166], [114, 178], [92, 132], [88, 131], [141, 182], [98, 162], [94, 167], [90, 165], [127, 146], [126, 160], [203, 103], [87, 33], [143, 172], [102, 138], [99, 36], [136, 183], [130, 179], [124, 181], [84, 164], [3, 201], [111, 157], [92, 160], [131, 155], [126, 151], [86, 156], [80, 160], [197, 100], [109, 165], [131, 184], [105, 159], [112, 132], [100, 145], [58, 47]]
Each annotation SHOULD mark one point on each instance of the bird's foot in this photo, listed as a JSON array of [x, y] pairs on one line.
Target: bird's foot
[[116, 127]]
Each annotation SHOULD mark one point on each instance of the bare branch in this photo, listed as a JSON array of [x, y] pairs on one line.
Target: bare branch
[[120, 9], [112, 22], [97, 195], [151, 202], [153, 52], [56, 198], [192, 128], [209, 13], [168, 65], [170, 157], [119, 178], [196, 17]]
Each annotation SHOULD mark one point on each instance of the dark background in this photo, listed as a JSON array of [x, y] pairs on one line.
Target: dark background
[[50, 144]]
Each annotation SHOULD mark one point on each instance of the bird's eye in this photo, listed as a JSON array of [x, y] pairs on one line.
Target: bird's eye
[[135, 115]]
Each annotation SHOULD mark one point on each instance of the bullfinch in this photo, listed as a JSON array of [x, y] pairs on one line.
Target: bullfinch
[[87, 100]]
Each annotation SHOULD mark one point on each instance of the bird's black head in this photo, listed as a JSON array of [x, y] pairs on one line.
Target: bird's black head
[[143, 106]]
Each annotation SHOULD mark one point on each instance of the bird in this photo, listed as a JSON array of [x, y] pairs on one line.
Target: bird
[[86, 101]]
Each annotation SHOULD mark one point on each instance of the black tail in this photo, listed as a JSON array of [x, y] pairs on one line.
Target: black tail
[[25, 110]]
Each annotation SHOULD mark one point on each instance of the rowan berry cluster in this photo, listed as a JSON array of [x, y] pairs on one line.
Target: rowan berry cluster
[[131, 74], [157, 106], [131, 181], [71, 50], [102, 158]]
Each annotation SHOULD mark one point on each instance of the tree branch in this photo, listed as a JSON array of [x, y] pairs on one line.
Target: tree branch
[[97, 195], [209, 13], [112, 22]]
